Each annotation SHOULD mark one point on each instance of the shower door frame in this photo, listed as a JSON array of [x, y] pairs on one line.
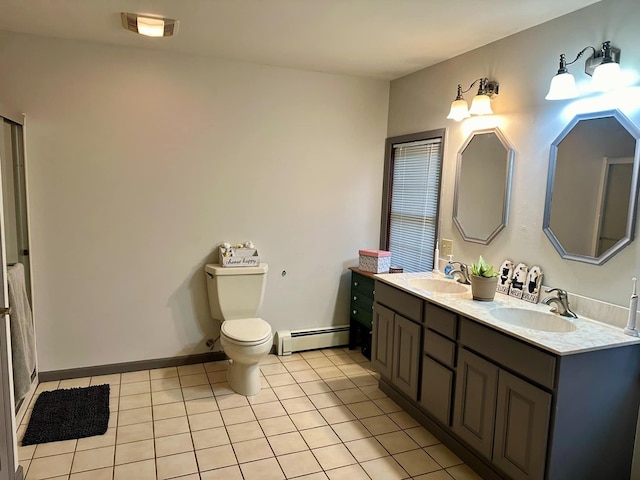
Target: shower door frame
[[9, 463]]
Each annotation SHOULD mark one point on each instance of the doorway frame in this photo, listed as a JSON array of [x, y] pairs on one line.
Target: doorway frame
[[607, 163]]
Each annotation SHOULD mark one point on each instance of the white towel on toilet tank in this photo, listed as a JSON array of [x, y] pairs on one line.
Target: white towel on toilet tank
[[22, 336]]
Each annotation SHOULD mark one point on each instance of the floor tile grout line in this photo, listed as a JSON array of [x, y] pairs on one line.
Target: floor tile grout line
[[325, 381], [328, 424], [344, 443]]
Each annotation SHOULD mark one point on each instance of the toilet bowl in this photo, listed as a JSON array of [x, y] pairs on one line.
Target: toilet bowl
[[235, 295], [246, 342]]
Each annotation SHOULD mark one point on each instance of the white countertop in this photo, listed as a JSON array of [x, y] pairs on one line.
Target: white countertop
[[589, 334]]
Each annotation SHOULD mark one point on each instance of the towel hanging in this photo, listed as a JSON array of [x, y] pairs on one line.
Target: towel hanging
[[22, 333]]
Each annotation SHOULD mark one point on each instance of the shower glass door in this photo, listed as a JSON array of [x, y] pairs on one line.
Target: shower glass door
[[8, 442], [14, 198], [11, 173]]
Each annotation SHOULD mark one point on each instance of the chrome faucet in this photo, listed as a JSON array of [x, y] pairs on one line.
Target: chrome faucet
[[561, 302], [463, 271]]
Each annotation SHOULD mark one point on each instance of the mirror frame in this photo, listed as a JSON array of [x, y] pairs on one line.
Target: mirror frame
[[507, 187], [633, 130]]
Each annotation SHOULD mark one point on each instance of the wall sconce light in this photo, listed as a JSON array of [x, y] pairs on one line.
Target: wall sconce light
[[481, 103], [603, 65], [149, 26]]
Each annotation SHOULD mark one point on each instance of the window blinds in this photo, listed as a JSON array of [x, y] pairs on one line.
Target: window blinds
[[414, 204]]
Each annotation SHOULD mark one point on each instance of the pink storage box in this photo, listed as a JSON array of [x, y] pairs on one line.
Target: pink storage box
[[376, 261]]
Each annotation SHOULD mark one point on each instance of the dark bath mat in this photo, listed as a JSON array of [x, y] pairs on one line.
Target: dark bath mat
[[68, 414]]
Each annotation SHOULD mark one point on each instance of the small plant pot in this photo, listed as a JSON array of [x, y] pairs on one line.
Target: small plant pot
[[483, 288]]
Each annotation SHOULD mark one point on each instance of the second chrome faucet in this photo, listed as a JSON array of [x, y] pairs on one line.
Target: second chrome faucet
[[560, 302]]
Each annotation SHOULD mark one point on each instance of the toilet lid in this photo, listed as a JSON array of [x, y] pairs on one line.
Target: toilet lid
[[246, 330]]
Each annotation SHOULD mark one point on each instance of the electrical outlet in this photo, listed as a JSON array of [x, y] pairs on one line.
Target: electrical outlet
[[446, 247]]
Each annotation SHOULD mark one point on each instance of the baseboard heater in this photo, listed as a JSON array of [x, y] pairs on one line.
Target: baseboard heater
[[289, 341]]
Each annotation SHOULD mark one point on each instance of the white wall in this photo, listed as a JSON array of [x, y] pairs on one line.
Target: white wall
[[524, 64], [140, 162]]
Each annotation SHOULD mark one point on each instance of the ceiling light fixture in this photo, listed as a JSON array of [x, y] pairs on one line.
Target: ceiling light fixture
[[481, 103], [603, 65], [148, 25]]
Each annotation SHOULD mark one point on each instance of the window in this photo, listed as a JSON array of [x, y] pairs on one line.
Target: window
[[411, 199]]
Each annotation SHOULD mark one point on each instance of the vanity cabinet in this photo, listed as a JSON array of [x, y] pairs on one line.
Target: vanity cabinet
[[522, 428], [508, 408], [475, 402], [501, 416], [438, 362], [396, 338], [382, 340], [406, 356]]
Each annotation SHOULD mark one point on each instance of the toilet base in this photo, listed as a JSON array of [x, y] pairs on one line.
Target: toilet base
[[244, 379], [243, 374]]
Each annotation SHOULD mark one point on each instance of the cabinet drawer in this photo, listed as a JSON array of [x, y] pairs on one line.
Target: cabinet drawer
[[440, 348], [363, 299], [403, 303], [362, 314], [362, 283], [510, 353], [441, 320], [437, 387]]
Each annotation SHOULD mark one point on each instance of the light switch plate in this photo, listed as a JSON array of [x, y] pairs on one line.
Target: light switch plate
[[446, 247]]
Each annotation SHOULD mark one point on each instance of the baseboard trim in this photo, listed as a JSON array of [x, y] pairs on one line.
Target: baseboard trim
[[19, 473], [54, 375]]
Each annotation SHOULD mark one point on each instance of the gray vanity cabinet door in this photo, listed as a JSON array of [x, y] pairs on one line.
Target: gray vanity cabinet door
[[475, 401], [522, 427], [406, 356], [382, 340], [437, 386]]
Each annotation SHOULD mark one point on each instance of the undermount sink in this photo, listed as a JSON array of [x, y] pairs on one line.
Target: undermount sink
[[535, 320], [436, 285]]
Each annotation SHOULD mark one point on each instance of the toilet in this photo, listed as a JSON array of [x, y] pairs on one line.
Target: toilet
[[235, 295]]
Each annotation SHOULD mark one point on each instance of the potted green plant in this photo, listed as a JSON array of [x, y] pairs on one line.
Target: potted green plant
[[484, 280]]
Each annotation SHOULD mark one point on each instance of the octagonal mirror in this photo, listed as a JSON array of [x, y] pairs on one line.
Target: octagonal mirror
[[483, 186], [592, 187]]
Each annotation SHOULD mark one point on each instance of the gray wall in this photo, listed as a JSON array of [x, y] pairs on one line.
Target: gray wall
[[524, 64]]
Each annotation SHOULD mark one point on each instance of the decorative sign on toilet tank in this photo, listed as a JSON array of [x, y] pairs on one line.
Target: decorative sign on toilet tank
[[239, 255]]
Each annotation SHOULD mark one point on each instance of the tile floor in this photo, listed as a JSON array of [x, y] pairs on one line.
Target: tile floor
[[320, 415]]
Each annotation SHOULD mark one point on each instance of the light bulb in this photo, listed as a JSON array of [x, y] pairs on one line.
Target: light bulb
[[459, 110], [481, 105], [606, 76], [151, 27], [563, 86]]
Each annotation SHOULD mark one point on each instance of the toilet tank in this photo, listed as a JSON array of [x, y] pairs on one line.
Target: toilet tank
[[235, 292]]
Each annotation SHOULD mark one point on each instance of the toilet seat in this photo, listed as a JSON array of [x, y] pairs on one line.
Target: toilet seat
[[246, 331]]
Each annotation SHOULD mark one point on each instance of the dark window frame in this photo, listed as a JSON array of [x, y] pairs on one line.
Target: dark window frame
[[388, 178]]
